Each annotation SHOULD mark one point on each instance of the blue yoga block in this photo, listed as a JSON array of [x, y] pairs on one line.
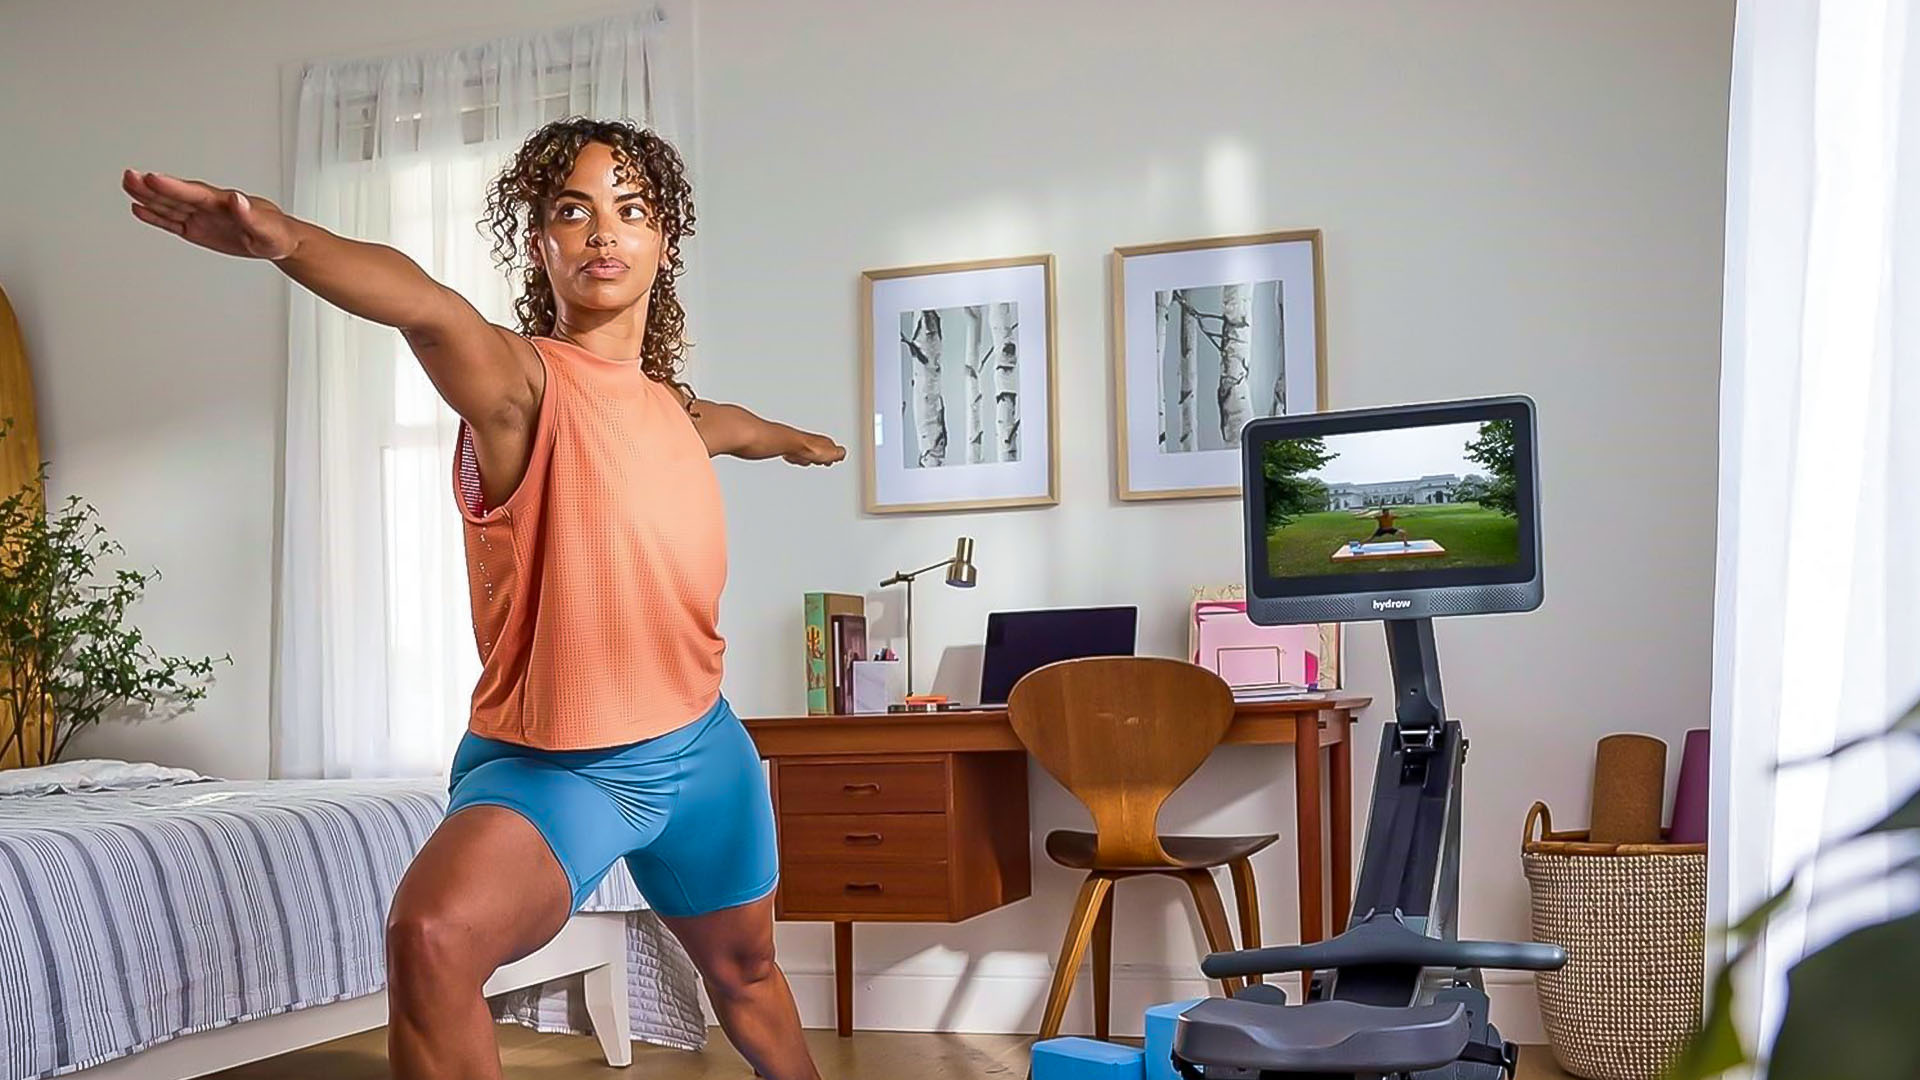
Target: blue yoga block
[[1159, 1023], [1074, 1058]]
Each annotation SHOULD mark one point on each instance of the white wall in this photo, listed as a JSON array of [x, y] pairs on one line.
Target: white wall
[[1515, 197], [160, 370]]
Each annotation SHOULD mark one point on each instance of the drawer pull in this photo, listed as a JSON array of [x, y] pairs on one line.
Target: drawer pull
[[862, 789], [863, 886], [863, 838]]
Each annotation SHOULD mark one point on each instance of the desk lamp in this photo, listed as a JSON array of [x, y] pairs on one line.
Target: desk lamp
[[961, 574]]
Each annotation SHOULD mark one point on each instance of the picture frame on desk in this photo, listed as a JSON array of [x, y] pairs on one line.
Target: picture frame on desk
[[849, 645], [1260, 660]]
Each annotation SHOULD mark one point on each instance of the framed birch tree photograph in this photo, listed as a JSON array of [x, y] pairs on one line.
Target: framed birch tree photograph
[[957, 376], [1209, 334]]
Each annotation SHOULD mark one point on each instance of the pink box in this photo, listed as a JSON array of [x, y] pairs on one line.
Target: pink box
[[1244, 654], [1228, 643]]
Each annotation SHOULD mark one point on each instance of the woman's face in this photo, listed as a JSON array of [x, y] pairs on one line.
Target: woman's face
[[596, 239]]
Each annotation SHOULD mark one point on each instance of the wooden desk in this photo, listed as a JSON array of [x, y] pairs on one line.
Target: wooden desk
[[922, 817]]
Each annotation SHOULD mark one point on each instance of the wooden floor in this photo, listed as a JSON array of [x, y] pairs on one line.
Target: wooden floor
[[869, 1055]]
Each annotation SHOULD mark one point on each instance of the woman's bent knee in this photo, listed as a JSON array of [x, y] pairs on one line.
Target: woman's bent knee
[[738, 972], [427, 948]]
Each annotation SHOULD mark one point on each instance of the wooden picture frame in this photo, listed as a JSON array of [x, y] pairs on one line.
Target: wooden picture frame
[[1265, 271], [1007, 452]]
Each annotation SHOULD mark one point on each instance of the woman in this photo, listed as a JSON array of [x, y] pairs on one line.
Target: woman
[[1384, 526], [595, 544]]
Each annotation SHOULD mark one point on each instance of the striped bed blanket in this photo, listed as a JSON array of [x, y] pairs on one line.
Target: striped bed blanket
[[128, 918]]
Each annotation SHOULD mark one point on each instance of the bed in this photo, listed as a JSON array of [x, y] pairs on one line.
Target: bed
[[158, 924]]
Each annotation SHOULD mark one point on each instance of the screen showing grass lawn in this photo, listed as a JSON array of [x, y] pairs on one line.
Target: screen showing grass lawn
[[1437, 497]]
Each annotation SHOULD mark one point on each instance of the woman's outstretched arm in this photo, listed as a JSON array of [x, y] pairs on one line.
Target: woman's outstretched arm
[[736, 431], [487, 374]]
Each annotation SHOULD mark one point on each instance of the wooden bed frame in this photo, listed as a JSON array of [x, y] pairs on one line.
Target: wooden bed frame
[[591, 942]]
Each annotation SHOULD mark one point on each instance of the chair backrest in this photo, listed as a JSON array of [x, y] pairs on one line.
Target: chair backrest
[[1121, 734]]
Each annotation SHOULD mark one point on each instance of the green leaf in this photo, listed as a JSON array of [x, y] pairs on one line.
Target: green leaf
[[1756, 920], [1907, 725], [1716, 1047], [1850, 1011], [1896, 732], [1903, 818]]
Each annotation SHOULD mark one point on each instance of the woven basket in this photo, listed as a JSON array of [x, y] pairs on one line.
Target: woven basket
[[1632, 918]]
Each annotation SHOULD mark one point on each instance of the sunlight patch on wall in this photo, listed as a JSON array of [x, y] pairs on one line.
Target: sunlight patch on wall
[[991, 227], [1230, 187]]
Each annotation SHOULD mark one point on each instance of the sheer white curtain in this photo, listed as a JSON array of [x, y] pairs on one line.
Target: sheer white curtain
[[376, 650], [1817, 634]]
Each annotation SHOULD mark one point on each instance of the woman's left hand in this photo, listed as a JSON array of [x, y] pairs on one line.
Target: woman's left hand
[[816, 450]]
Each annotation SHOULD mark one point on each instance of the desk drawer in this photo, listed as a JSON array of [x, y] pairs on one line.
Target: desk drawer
[[878, 787], [847, 838], [837, 889]]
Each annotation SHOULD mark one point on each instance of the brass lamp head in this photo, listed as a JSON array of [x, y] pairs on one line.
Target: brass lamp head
[[961, 573]]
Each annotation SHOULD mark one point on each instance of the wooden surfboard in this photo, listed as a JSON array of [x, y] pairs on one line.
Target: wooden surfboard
[[19, 461], [20, 449]]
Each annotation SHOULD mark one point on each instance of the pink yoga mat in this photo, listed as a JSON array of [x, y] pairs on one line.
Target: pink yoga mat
[[1690, 796]]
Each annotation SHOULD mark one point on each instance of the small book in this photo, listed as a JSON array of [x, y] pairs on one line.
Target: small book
[[820, 608], [1272, 692], [849, 644]]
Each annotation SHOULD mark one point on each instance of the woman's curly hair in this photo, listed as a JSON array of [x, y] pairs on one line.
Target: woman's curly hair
[[517, 202]]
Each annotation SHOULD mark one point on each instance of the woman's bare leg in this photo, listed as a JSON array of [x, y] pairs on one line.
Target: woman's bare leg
[[484, 891], [733, 948]]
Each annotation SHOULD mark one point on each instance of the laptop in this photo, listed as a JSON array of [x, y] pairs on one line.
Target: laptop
[[1022, 641]]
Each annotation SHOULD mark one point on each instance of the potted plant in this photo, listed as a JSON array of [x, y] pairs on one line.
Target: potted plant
[[1850, 1005], [68, 658]]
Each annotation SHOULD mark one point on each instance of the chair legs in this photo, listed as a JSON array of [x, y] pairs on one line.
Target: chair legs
[[1213, 918], [1088, 910], [1092, 926], [1249, 904], [1103, 966]]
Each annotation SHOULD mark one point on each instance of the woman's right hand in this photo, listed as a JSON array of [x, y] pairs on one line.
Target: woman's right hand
[[214, 218]]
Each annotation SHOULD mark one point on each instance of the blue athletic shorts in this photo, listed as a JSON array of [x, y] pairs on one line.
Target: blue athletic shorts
[[689, 811]]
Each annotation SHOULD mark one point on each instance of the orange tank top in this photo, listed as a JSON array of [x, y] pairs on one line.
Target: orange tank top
[[596, 585]]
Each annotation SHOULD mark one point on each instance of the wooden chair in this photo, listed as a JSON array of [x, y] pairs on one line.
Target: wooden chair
[[1121, 734]]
